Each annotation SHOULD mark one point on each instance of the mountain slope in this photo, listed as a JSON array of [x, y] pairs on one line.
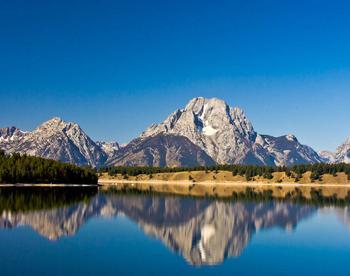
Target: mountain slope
[[10, 136], [55, 139], [109, 148], [327, 156], [161, 151], [342, 154], [226, 135], [286, 150]]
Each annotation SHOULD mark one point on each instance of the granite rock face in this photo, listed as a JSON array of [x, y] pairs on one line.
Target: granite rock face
[[55, 139]]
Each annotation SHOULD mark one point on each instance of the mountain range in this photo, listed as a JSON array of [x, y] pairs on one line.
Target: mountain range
[[205, 132]]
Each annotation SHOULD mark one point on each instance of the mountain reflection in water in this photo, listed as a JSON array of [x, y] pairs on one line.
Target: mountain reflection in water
[[203, 231]]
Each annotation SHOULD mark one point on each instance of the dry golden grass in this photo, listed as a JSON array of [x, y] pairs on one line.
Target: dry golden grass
[[223, 183], [225, 176]]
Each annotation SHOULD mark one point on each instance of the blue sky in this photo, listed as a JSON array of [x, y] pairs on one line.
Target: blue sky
[[115, 67]]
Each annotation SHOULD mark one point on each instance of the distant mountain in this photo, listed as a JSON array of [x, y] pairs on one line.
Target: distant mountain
[[287, 150], [161, 151], [342, 154], [327, 156], [226, 135], [54, 139]]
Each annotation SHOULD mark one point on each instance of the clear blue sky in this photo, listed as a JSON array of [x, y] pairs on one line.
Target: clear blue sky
[[115, 67]]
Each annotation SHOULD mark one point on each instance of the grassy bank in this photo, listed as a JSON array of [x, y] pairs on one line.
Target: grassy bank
[[228, 177], [225, 184]]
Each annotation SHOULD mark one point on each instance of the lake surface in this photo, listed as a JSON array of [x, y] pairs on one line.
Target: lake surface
[[70, 231]]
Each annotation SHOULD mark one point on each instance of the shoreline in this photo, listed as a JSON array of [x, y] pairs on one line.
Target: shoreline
[[222, 189], [226, 183]]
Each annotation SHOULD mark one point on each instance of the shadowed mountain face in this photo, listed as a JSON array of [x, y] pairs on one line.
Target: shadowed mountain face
[[162, 151], [203, 231]]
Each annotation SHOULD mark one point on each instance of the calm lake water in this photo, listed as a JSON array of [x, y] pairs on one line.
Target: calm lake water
[[86, 232]]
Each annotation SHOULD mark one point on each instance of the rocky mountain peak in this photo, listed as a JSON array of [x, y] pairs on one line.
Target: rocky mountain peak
[[217, 113], [226, 134], [58, 124], [54, 122], [200, 104], [59, 140]]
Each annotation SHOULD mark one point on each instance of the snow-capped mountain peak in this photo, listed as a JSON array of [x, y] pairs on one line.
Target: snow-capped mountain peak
[[227, 135]]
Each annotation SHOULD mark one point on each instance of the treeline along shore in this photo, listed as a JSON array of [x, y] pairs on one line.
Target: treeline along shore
[[25, 169]]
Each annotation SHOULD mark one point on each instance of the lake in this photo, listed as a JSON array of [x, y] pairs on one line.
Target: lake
[[83, 231]]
